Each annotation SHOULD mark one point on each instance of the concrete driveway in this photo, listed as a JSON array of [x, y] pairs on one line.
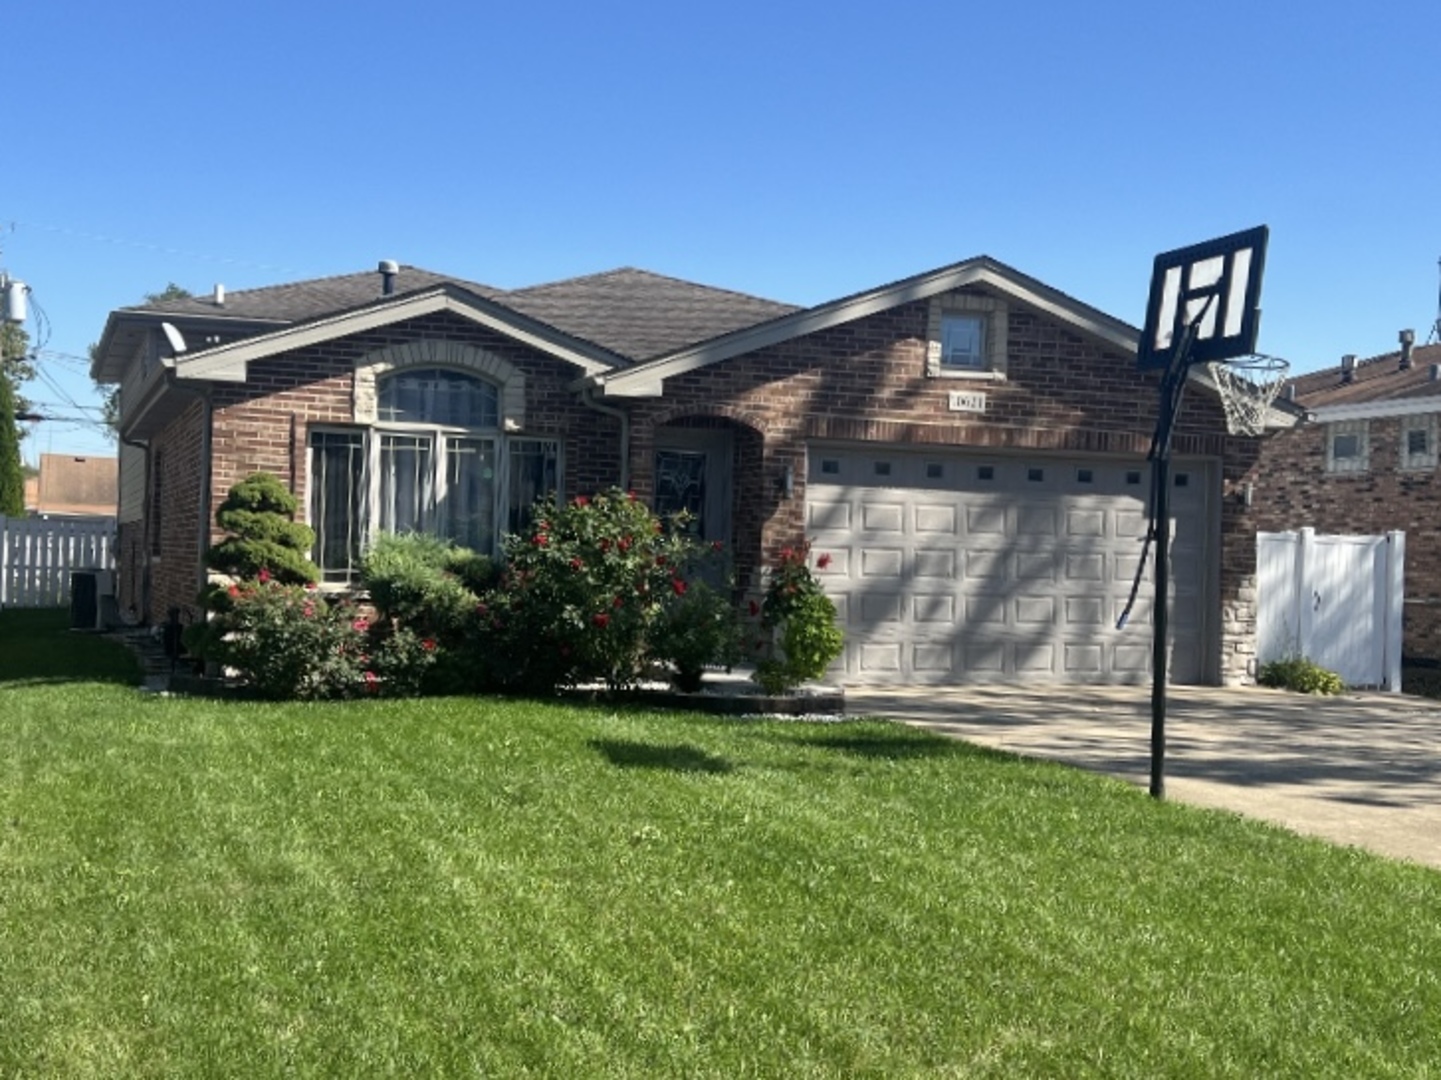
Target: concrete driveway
[[1361, 769]]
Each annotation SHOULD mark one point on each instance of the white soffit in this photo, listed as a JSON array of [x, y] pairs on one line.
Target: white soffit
[[1375, 410]]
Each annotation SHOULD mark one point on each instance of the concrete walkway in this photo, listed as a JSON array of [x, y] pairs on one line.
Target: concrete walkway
[[1361, 769]]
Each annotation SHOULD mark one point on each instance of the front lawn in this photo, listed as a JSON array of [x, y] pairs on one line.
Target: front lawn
[[486, 887]]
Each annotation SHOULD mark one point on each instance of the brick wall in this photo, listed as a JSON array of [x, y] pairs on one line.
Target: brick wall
[[177, 455], [1293, 490], [263, 424], [867, 381]]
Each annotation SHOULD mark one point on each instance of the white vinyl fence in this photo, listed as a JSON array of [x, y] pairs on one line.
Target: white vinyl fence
[[37, 557], [1335, 600]]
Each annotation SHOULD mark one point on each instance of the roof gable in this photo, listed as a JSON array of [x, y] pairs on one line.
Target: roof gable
[[647, 379], [229, 362]]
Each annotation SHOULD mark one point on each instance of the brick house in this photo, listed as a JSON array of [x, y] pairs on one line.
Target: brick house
[[1365, 463], [968, 444]]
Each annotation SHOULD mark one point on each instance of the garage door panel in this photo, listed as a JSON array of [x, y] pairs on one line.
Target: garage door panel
[[1035, 610], [1041, 521], [880, 657], [1084, 523], [881, 562], [935, 659], [935, 564], [1085, 567], [938, 609], [1083, 659], [986, 520], [1031, 567], [881, 608], [1085, 611], [883, 517], [828, 517], [986, 610], [987, 566], [936, 519], [1035, 657]]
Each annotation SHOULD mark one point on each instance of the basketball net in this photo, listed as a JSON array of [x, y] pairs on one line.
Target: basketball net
[[1248, 385]]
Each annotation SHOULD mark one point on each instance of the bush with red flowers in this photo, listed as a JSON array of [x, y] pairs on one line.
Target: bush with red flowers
[[583, 594], [799, 636]]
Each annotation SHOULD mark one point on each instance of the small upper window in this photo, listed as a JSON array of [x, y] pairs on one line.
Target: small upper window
[[1418, 442], [963, 343], [1347, 447]]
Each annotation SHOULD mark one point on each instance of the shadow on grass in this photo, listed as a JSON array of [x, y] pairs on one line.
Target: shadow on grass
[[678, 758], [38, 646]]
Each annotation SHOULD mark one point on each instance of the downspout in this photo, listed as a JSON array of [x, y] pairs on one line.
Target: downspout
[[587, 398]]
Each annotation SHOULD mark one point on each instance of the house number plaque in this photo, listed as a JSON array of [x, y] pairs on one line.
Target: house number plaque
[[967, 401]]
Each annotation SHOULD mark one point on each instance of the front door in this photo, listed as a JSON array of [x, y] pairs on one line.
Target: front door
[[693, 473]]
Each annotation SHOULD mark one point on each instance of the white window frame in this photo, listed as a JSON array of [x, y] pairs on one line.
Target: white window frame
[[1360, 462], [993, 315], [1426, 422]]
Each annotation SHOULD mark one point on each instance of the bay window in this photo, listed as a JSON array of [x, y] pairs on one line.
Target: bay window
[[435, 460]]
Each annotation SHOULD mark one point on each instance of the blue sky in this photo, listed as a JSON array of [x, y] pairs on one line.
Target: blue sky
[[796, 151]]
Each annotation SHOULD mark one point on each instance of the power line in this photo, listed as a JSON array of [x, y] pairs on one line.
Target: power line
[[163, 249]]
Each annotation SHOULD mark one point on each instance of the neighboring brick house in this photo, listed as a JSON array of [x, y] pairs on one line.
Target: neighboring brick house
[[1365, 464], [968, 444]]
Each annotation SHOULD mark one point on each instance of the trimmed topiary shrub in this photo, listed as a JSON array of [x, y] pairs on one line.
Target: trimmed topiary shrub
[[259, 515]]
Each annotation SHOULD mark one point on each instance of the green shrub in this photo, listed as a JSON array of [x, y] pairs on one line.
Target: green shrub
[[799, 637], [410, 581], [1299, 674], [695, 629]]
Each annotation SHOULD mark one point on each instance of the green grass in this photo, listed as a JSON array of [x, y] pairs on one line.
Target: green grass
[[483, 887]]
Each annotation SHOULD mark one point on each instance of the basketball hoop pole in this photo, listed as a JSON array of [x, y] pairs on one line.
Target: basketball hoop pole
[[1173, 389]]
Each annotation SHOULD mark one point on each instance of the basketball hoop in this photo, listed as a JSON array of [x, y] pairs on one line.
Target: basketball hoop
[[1248, 385]]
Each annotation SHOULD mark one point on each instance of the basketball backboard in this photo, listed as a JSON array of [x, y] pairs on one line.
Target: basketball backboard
[[1217, 286]]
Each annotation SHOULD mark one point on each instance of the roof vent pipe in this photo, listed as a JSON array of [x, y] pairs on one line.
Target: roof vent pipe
[[219, 298], [388, 269], [1348, 368], [1408, 342], [1436, 372], [1290, 391]]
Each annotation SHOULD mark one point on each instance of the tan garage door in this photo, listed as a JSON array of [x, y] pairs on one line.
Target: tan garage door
[[957, 567]]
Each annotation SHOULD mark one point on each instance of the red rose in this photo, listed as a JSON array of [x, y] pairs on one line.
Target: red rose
[[823, 561], [372, 684], [428, 644], [625, 543], [605, 543], [581, 500], [263, 576], [234, 590], [716, 545], [677, 586], [755, 609], [601, 620], [360, 625], [576, 564], [540, 539]]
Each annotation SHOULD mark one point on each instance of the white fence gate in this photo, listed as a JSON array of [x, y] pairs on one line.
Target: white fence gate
[[37, 557], [1335, 600]]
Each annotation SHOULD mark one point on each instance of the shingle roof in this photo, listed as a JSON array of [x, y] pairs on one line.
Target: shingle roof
[[1377, 379], [641, 315], [300, 300], [633, 313]]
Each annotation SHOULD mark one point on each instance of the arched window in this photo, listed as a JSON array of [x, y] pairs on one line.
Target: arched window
[[438, 396]]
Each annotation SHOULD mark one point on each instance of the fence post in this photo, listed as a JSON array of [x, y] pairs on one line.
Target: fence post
[[1395, 587]]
